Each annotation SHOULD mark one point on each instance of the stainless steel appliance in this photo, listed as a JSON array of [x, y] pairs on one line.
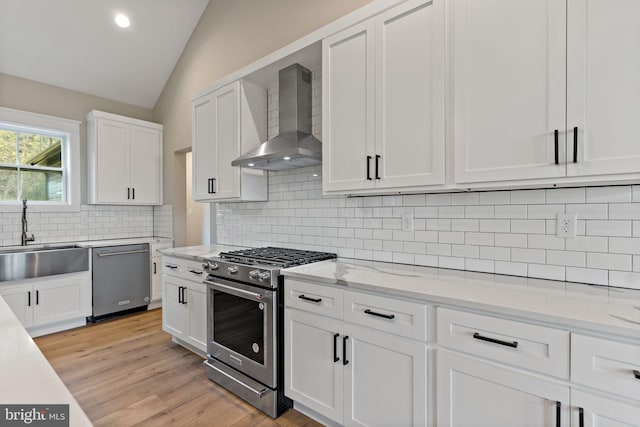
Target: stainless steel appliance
[[120, 279], [245, 322]]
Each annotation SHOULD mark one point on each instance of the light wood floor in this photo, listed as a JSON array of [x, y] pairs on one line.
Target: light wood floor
[[127, 372]]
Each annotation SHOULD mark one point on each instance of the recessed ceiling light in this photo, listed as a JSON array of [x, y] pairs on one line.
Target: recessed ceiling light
[[251, 165], [286, 158], [122, 21]]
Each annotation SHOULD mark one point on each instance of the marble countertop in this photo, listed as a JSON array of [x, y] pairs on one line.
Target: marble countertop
[[93, 243], [199, 253], [596, 308], [27, 377]]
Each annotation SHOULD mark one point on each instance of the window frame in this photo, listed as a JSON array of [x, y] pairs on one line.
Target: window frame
[[70, 129]]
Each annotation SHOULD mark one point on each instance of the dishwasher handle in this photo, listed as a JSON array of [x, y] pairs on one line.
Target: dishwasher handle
[[140, 251]]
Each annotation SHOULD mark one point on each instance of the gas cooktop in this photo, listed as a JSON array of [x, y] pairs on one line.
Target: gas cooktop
[[278, 257]]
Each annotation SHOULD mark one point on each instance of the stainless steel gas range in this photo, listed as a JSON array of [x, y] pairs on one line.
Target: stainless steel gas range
[[245, 322]]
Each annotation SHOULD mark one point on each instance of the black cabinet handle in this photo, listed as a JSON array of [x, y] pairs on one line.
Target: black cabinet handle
[[37, 297], [154, 268], [558, 420], [306, 298], [184, 294], [580, 417], [575, 144], [210, 185], [369, 168], [636, 374], [171, 266], [335, 348], [214, 186], [556, 152], [179, 294], [28, 298], [344, 350], [133, 193], [377, 166], [128, 193], [513, 344], [199, 273], [386, 316]]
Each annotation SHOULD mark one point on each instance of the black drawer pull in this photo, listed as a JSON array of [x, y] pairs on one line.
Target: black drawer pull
[[580, 417], [377, 166], [636, 374], [575, 144], [369, 168], [37, 297], [558, 410], [555, 143], [335, 348], [344, 350], [386, 316], [306, 298], [513, 344], [199, 273], [171, 266], [29, 297]]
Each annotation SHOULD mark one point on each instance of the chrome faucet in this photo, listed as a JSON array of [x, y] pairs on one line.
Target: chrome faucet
[[25, 238]]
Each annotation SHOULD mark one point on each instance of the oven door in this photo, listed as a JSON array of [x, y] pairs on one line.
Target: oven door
[[241, 332]]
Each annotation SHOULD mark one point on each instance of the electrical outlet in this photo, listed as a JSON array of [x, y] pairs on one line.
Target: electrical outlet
[[407, 222], [566, 225]]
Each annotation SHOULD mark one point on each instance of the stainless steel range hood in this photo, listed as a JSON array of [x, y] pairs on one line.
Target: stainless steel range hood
[[295, 146]]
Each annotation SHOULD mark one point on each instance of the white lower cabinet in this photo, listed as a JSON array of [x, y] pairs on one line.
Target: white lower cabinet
[[45, 305], [354, 375], [184, 303], [156, 272], [590, 410], [476, 393]]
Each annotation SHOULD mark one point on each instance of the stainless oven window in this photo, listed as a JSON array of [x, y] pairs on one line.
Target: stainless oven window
[[238, 324]]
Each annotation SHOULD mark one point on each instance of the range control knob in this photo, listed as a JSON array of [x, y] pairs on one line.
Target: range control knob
[[205, 265], [232, 270], [212, 266], [265, 275], [254, 274]]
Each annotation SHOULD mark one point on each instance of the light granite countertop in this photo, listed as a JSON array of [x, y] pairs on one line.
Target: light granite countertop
[[199, 253], [602, 309], [27, 377]]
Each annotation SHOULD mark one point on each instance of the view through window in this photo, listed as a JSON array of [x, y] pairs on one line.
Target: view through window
[[31, 165]]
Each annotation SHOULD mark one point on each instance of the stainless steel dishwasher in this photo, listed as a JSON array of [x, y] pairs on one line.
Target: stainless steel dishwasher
[[121, 279]]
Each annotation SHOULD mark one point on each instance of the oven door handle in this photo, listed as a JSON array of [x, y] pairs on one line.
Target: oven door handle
[[259, 393], [235, 291]]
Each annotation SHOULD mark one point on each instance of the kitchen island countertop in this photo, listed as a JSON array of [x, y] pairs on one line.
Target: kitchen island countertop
[[603, 309], [199, 253]]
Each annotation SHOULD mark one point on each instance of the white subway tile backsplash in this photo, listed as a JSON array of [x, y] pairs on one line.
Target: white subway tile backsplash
[[613, 194], [608, 228], [507, 232], [609, 261]]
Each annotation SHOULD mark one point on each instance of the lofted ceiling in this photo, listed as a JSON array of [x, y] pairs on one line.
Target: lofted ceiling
[[75, 44]]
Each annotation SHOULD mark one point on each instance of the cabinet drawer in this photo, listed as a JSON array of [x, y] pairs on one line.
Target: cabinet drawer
[[527, 346], [391, 315], [184, 269], [315, 298], [607, 365]]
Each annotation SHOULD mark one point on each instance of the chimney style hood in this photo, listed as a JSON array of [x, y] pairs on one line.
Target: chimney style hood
[[294, 147]]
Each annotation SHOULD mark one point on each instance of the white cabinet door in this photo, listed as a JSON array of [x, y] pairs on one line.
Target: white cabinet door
[[603, 87], [156, 278], [226, 141], [113, 161], [202, 113], [21, 300], [174, 312], [61, 299], [474, 393], [410, 94], [196, 303], [348, 109], [508, 88], [590, 410], [313, 377], [146, 165], [385, 379]]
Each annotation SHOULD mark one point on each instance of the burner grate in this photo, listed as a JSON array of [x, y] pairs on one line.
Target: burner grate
[[279, 257]]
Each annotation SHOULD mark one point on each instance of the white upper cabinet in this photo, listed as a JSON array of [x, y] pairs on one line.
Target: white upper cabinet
[[124, 160], [383, 102], [226, 123], [508, 84], [545, 89], [603, 87]]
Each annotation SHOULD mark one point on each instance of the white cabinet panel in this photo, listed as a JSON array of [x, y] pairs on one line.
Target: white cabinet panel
[[196, 301], [202, 113], [385, 379], [603, 87], [61, 299], [174, 316], [21, 303], [474, 393], [146, 158], [113, 162], [596, 411], [226, 134], [508, 88]]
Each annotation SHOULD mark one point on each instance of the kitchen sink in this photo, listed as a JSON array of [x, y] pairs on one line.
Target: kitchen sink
[[32, 262]]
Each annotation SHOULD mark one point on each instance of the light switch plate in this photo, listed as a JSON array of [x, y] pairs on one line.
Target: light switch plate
[[566, 225]]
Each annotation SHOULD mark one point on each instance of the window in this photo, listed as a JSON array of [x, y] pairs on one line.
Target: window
[[39, 160]]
